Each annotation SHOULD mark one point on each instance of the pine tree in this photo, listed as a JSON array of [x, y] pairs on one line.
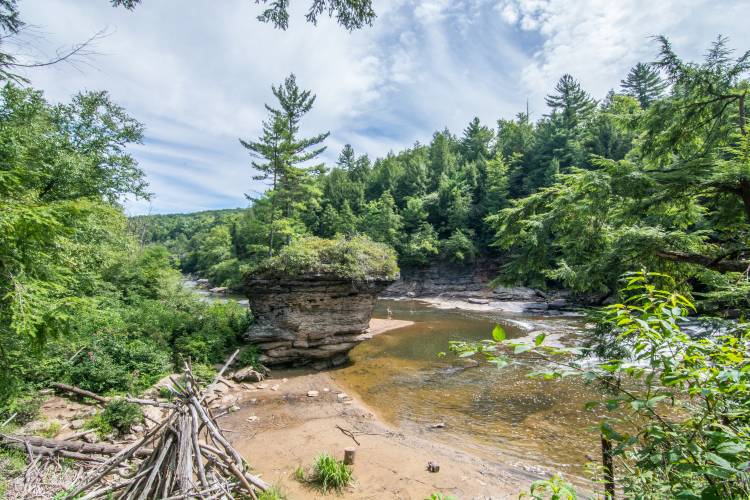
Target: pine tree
[[442, 157], [347, 159], [644, 83], [477, 141], [284, 153], [570, 101]]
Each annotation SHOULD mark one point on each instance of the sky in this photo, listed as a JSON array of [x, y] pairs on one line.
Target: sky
[[197, 73]]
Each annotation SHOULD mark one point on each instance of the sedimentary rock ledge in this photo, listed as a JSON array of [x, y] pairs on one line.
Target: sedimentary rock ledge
[[313, 319]]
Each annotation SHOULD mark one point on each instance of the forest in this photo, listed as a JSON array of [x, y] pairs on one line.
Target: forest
[[637, 203], [653, 176]]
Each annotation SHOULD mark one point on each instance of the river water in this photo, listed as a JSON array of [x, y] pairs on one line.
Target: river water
[[500, 415]]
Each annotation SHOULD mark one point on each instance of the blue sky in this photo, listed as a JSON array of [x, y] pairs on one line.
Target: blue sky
[[197, 72]]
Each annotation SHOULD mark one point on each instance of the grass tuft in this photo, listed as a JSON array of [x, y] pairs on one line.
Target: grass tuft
[[272, 494], [330, 474]]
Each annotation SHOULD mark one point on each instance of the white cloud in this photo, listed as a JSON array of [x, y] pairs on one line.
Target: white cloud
[[198, 73], [597, 41]]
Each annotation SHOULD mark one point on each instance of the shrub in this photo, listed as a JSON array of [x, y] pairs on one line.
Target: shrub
[[203, 374], [249, 356], [25, 408], [215, 333], [458, 248], [115, 363], [357, 258], [329, 473], [119, 416], [555, 488]]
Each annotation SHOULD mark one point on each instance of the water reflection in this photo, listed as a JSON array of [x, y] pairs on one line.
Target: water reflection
[[499, 414]]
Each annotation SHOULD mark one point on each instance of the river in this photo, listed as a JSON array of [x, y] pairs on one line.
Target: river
[[501, 415]]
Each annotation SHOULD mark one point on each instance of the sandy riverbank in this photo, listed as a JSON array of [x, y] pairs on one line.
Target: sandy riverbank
[[279, 427]]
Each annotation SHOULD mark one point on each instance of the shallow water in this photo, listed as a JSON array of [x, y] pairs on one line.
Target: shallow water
[[501, 415]]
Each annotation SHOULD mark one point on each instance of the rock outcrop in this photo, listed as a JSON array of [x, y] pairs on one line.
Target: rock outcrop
[[310, 319]]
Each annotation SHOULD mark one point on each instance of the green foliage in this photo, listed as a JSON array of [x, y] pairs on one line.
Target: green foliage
[[440, 496], [204, 374], [118, 364], [249, 356], [285, 155], [675, 405], [25, 407], [357, 258], [12, 464], [677, 200], [271, 494], [212, 335], [351, 14], [555, 488], [330, 474], [458, 248], [118, 416], [51, 430]]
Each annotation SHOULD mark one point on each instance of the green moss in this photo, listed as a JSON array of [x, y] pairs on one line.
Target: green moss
[[357, 258]]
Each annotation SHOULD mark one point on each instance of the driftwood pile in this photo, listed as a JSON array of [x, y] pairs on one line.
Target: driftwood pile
[[184, 456]]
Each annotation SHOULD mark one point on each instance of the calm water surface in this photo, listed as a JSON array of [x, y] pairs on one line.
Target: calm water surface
[[499, 414]]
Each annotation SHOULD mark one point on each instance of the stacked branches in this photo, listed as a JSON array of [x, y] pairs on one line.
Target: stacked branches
[[184, 456]]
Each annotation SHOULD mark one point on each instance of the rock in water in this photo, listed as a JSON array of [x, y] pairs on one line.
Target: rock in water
[[310, 319]]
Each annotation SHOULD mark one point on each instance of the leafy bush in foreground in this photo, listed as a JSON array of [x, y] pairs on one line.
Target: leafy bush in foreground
[[677, 407]]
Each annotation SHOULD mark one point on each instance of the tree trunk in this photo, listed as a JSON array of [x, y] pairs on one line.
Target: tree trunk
[[609, 469], [273, 215]]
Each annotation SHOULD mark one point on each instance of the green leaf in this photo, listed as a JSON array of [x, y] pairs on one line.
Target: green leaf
[[521, 348], [498, 333], [721, 462], [730, 448], [539, 339]]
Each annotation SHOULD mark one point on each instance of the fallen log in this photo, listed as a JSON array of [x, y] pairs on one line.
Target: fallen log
[[104, 400], [80, 392], [71, 446]]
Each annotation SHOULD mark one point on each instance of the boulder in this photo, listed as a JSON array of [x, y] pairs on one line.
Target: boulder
[[515, 294], [558, 304], [310, 319], [247, 375], [535, 307]]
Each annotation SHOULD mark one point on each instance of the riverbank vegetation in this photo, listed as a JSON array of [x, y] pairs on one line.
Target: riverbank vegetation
[[80, 300]]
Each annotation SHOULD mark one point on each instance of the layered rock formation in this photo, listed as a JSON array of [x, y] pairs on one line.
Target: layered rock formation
[[310, 319]]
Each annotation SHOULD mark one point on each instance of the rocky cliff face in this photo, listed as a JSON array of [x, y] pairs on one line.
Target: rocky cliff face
[[444, 279], [313, 320]]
